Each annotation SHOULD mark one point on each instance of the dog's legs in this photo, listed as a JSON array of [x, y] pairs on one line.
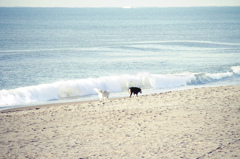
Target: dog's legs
[[130, 95]]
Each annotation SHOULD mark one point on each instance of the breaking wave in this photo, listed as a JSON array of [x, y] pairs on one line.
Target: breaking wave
[[120, 83]]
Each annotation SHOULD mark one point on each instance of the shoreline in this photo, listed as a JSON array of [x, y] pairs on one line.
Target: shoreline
[[196, 123], [23, 108]]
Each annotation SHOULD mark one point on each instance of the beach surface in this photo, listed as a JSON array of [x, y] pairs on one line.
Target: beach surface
[[197, 123]]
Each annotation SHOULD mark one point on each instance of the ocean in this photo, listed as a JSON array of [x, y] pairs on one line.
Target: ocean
[[52, 55]]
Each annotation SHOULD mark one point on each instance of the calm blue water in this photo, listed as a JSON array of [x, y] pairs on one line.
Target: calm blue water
[[61, 54]]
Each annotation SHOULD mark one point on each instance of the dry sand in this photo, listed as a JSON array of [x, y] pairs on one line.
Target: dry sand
[[197, 123]]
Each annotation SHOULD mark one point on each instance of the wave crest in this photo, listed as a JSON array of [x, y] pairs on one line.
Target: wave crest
[[120, 83]]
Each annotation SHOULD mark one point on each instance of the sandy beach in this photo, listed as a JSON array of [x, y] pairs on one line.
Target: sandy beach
[[197, 123]]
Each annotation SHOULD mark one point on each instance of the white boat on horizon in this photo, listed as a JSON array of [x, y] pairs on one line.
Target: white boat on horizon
[[127, 7]]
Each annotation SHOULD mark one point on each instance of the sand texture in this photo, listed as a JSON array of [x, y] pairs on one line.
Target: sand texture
[[198, 123]]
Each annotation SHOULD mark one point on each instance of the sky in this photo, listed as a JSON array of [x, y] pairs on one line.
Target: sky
[[117, 3]]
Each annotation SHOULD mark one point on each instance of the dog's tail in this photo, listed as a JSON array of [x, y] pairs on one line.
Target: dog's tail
[[97, 90]]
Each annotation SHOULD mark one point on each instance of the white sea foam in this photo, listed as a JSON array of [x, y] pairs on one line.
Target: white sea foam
[[236, 70], [219, 76], [44, 92], [120, 83], [170, 81]]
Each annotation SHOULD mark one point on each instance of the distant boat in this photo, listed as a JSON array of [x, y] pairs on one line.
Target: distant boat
[[126, 7]]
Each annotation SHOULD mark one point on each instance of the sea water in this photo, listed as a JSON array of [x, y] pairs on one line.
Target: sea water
[[61, 54]]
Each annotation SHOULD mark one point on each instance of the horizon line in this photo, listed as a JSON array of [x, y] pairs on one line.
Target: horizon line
[[123, 7]]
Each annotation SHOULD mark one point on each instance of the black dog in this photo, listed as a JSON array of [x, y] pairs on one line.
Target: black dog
[[134, 90]]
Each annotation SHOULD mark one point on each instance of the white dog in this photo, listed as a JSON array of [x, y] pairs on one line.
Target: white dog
[[103, 95]]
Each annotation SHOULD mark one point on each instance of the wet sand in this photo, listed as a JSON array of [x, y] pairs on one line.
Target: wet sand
[[196, 123]]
